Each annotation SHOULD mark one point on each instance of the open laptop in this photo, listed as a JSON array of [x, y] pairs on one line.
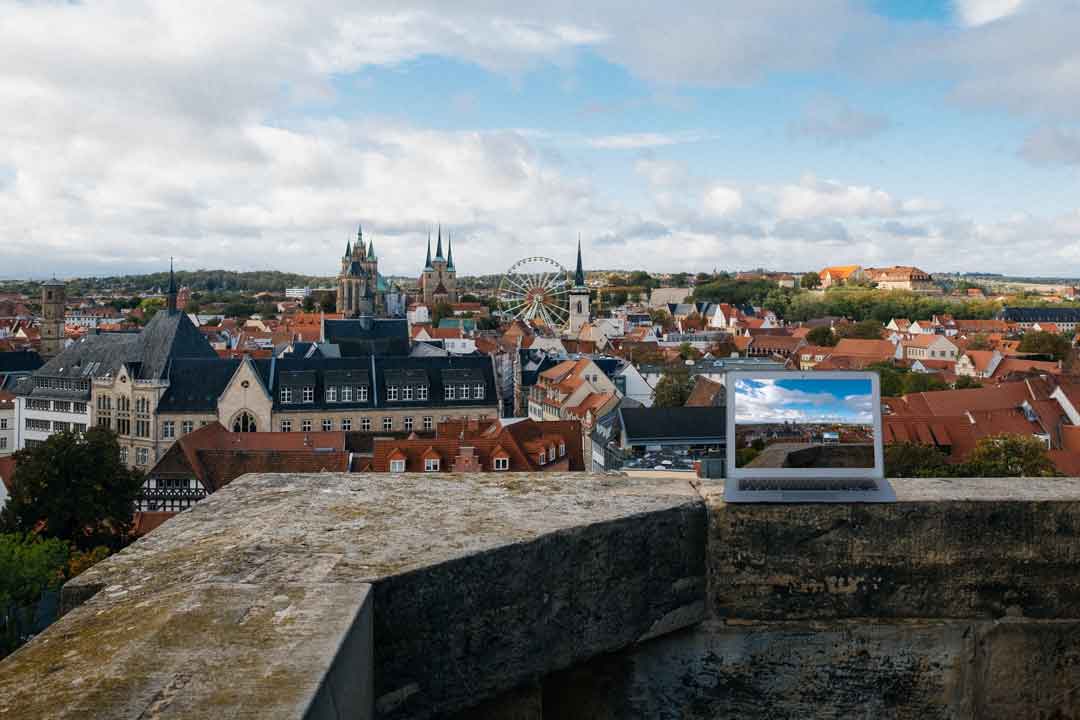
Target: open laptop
[[797, 437]]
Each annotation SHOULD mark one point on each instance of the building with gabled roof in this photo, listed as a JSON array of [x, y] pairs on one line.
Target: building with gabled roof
[[519, 445], [840, 275]]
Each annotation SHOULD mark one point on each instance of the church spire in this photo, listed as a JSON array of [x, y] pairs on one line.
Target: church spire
[[427, 263], [438, 248], [348, 248], [170, 302], [359, 247], [449, 252], [579, 274], [371, 250]]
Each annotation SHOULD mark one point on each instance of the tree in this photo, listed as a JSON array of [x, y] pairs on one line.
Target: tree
[[1046, 343], [308, 305], [328, 304], [915, 460], [964, 382], [979, 341], [440, 311], [1009, 456], [673, 389], [821, 335], [810, 281], [73, 487], [862, 330]]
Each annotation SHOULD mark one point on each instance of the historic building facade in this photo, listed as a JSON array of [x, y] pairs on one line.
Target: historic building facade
[[579, 297], [438, 281], [361, 290]]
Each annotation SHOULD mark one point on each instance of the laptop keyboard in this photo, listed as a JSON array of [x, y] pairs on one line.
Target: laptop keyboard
[[808, 484]]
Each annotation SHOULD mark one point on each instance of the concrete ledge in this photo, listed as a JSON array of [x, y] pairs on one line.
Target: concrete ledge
[[947, 549], [475, 585]]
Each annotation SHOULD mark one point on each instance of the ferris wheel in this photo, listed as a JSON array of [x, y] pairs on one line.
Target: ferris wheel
[[536, 289]]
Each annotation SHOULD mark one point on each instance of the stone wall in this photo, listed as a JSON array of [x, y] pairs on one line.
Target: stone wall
[[573, 596]]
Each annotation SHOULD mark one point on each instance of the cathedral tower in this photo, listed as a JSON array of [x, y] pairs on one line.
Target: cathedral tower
[[579, 297]]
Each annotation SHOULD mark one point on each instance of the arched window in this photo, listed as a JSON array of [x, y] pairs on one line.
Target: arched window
[[244, 422]]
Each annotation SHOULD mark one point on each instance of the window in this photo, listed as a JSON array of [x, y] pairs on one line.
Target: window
[[104, 402], [327, 424], [331, 394], [501, 463], [449, 392], [305, 426], [562, 449], [168, 429], [407, 392], [309, 394], [551, 453], [543, 458], [397, 466], [286, 395], [244, 422], [60, 426], [3, 423], [421, 392], [187, 426], [408, 424], [346, 393], [428, 422], [346, 424], [431, 464], [123, 426], [124, 455], [392, 392], [361, 393], [365, 424], [286, 425], [142, 456], [464, 392], [478, 391], [78, 427], [387, 424], [142, 428], [3, 443], [78, 407], [61, 406]]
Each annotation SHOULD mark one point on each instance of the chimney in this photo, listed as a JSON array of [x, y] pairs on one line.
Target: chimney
[[466, 460]]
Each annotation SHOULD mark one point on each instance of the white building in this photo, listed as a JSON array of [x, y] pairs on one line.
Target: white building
[[297, 293], [7, 424]]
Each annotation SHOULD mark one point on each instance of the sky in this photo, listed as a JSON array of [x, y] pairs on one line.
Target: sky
[[820, 400], [706, 134]]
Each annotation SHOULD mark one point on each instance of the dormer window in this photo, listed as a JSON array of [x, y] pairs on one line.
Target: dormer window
[[286, 395], [562, 449], [450, 394], [431, 464], [478, 391], [542, 458], [407, 393], [331, 393], [422, 392], [392, 392], [500, 463], [309, 393], [551, 453]]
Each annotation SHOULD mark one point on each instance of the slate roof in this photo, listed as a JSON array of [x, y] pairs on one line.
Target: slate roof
[[196, 384], [674, 425], [20, 361], [1040, 315]]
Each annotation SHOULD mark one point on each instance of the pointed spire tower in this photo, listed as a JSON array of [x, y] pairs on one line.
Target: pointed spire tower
[[427, 262], [449, 253], [579, 296], [438, 248], [170, 302], [371, 251], [359, 247]]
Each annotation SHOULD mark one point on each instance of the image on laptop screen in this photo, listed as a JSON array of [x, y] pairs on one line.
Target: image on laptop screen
[[804, 423]]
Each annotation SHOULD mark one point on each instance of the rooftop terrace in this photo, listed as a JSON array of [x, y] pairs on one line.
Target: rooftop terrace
[[572, 596]]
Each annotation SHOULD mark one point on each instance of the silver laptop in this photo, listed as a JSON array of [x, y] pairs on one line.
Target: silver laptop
[[796, 437]]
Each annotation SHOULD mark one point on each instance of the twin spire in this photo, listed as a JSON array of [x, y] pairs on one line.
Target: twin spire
[[363, 253], [449, 259]]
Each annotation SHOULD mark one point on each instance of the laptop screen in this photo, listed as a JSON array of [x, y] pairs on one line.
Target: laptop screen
[[803, 421]]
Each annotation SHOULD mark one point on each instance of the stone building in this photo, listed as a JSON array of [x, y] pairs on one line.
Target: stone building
[[438, 281], [361, 290], [53, 300]]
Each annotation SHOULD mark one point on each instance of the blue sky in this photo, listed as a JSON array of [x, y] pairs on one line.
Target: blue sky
[[798, 400], [940, 133]]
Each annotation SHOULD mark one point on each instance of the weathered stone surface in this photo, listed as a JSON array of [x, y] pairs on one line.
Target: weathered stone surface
[[776, 670], [975, 548], [211, 650], [479, 582]]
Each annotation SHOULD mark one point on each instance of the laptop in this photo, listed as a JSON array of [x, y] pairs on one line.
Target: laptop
[[804, 437]]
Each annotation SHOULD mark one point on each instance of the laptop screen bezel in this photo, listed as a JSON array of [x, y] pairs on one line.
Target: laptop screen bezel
[[876, 472]]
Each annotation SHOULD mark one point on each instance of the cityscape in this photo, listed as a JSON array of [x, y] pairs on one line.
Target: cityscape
[[376, 362]]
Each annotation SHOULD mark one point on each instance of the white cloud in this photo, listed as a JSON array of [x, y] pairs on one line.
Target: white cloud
[[831, 119], [721, 200], [1052, 146], [980, 12], [813, 198]]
